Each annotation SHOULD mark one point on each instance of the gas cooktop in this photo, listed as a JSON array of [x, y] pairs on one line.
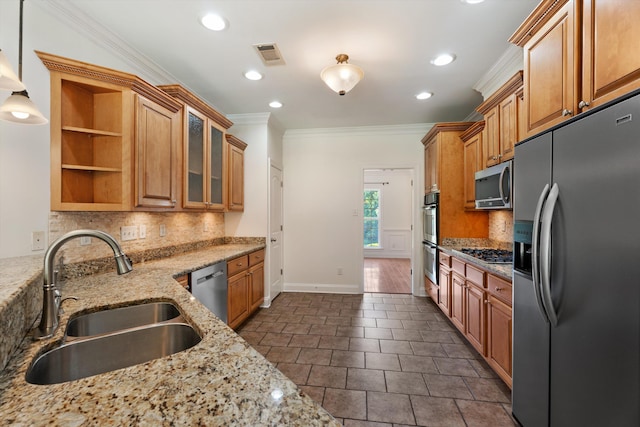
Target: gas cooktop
[[493, 256]]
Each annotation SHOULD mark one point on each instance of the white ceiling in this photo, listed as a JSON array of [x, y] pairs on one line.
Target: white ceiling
[[392, 40]]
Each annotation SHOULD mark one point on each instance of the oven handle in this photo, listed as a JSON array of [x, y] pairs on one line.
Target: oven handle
[[545, 254], [535, 252], [502, 172]]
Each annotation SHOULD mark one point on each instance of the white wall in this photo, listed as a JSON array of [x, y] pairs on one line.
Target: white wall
[[322, 190]]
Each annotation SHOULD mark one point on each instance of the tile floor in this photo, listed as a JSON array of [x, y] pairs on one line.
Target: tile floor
[[379, 360]]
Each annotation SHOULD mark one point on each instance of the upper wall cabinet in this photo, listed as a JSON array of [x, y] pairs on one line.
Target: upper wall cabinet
[[472, 155], [205, 158], [501, 117], [578, 54], [236, 173], [113, 139]]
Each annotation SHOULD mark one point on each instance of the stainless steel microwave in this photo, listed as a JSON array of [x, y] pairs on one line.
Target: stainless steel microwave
[[494, 189]]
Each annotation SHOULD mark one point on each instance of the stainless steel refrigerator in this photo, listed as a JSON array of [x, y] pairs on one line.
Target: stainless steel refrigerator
[[576, 314]]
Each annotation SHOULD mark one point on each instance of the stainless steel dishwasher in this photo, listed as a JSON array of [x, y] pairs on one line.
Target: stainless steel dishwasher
[[209, 286]]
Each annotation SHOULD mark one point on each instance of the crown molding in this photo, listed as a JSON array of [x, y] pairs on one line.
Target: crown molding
[[509, 63], [408, 129], [249, 118]]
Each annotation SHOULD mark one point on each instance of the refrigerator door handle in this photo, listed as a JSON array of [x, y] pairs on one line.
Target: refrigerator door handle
[[536, 251], [545, 254]]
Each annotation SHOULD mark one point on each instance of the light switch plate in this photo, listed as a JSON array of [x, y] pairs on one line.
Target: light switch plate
[[128, 232], [37, 241]]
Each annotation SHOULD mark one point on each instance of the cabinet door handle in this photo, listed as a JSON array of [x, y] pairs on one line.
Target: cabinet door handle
[[499, 289], [566, 112], [583, 104]]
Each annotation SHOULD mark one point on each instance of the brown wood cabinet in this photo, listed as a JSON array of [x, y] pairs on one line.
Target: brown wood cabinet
[[444, 285], [480, 307], [472, 159], [444, 160], [183, 280], [578, 54], [158, 142], [245, 287], [502, 117], [236, 173]]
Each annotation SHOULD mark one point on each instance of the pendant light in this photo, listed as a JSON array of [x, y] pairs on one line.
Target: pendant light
[[19, 108], [342, 77], [8, 79]]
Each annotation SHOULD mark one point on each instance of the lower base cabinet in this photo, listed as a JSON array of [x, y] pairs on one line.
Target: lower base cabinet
[[245, 287]]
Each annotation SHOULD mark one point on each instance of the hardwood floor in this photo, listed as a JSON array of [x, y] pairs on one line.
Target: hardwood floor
[[387, 275]]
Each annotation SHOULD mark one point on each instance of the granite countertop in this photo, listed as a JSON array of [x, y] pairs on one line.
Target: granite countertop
[[220, 381], [503, 271]]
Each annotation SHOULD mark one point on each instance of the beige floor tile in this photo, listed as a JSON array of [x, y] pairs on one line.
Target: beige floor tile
[[436, 412], [364, 344], [389, 407], [460, 350], [422, 364], [483, 414], [339, 321], [406, 335], [296, 328], [445, 326], [379, 333], [273, 339], [251, 325], [328, 376], [296, 372], [350, 331], [407, 307], [364, 322], [447, 386], [252, 337], [399, 315], [314, 356], [271, 327], [460, 367], [262, 349], [336, 343], [323, 330], [360, 423], [420, 325], [389, 323], [384, 306], [405, 382], [428, 349], [316, 393], [397, 347], [309, 341], [283, 354], [314, 320], [490, 390], [385, 362], [374, 314], [483, 370], [346, 403], [437, 336], [306, 311], [291, 318], [349, 359], [366, 379], [350, 312]]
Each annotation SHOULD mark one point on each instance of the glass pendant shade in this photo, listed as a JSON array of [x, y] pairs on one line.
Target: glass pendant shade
[[8, 79], [342, 77], [18, 108]]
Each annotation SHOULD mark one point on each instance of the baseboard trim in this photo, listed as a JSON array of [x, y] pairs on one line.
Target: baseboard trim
[[322, 288]]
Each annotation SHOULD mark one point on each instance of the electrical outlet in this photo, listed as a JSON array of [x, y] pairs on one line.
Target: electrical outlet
[[143, 231], [37, 241], [128, 232], [85, 240], [163, 230], [206, 226]]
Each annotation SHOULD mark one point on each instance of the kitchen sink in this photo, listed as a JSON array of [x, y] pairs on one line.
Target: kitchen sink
[[116, 319], [94, 355]]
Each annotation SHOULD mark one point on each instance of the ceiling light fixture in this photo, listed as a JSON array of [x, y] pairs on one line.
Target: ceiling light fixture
[[253, 75], [424, 95], [8, 79], [342, 77], [275, 104], [18, 108], [471, 1], [214, 22], [443, 59]]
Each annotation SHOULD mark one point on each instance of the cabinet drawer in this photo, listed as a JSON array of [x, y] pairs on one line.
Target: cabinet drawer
[[458, 266], [445, 259], [236, 265], [500, 288], [256, 257], [475, 275]]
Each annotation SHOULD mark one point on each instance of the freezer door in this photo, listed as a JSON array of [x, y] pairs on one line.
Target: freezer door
[[595, 248], [530, 395]]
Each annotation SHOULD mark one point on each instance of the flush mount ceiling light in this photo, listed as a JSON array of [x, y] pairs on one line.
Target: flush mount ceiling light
[[443, 59], [342, 77], [471, 1], [18, 108], [424, 95], [214, 22], [253, 75], [275, 104]]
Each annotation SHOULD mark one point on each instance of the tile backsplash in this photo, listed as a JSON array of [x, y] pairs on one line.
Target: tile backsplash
[[501, 226]]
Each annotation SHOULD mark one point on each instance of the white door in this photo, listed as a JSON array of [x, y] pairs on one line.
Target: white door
[[275, 232]]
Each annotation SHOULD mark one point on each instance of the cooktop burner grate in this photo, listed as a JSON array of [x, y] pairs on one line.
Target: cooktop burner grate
[[494, 256]]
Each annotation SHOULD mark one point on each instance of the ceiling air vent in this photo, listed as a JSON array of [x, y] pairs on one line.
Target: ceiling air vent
[[269, 53]]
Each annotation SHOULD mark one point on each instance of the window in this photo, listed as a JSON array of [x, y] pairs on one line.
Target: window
[[372, 220]]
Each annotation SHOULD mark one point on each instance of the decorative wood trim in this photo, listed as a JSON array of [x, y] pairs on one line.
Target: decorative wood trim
[[446, 127], [514, 84], [473, 130], [108, 75], [236, 142], [539, 17], [188, 97]]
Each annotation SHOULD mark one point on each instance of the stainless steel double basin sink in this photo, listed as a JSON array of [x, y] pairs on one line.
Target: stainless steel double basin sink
[[107, 340]]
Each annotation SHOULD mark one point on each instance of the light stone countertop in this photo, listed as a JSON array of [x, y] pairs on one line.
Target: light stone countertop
[[221, 381]]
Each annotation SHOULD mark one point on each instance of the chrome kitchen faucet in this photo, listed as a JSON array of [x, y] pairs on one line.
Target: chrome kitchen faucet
[[52, 297]]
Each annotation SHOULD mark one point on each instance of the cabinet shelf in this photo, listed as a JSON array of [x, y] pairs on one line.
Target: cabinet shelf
[[90, 131], [90, 168]]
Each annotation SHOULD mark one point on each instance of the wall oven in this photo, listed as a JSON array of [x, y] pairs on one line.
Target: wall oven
[[430, 227]]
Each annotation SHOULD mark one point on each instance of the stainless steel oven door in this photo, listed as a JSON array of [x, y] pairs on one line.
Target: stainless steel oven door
[[430, 223], [430, 261]]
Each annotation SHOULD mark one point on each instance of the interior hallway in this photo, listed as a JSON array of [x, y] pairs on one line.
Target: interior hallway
[[387, 275]]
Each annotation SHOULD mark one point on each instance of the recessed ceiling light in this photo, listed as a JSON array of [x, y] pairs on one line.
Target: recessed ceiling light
[[424, 95], [471, 1], [275, 104], [214, 22], [443, 59], [253, 75]]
